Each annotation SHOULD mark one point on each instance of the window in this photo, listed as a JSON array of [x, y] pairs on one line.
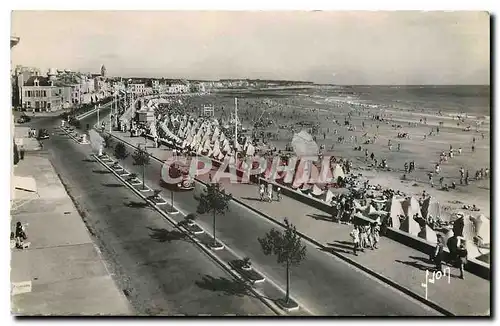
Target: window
[[48, 105], [36, 82], [44, 93]]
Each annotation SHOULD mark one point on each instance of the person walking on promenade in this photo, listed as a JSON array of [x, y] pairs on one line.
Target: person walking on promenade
[[261, 191], [375, 235], [21, 152], [355, 239], [438, 255], [278, 194], [269, 192], [363, 238], [462, 258], [473, 148]]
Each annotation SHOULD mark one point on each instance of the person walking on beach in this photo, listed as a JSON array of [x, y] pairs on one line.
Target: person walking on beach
[[406, 167], [462, 173], [399, 147], [467, 177], [473, 148]]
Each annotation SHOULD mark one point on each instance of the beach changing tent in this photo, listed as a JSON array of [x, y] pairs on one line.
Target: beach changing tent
[[411, 207], [430, 207], [395, 210], [337, 172], [428, 234]]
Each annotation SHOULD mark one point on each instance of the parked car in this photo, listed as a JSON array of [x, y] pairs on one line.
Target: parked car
[[43, 134], [23, 119]]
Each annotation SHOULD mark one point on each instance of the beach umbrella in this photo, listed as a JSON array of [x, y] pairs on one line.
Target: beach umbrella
[[303, 144]]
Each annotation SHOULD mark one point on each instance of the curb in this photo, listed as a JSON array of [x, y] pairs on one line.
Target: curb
[[206, 250], [367, 270]]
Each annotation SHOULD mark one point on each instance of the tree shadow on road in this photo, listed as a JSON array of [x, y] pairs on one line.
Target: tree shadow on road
[[101, 171], [222, 284], [164, 235], [422, 259], [321, 217], [414, 264], [333, 250], [253, 199], [136, 204], [112, 185], [342, 244]]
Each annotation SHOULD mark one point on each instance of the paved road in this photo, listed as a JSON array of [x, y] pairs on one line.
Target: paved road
[[159, 273], [323, 283]]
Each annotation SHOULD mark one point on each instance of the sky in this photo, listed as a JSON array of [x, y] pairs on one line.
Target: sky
[[332, 47]]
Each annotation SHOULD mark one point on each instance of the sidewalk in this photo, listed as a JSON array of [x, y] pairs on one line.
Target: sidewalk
[[402, 265], [21, 138], [62, 272]]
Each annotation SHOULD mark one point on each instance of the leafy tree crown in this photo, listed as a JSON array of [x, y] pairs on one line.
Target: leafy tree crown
[[140, 156], [121, 152], [214, 199], [286, 245]]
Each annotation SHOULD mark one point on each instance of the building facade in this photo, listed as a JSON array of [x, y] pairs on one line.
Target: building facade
[[40, 94]]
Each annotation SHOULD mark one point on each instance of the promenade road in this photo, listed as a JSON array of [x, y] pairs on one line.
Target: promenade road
[[158, 271], [325, 284]]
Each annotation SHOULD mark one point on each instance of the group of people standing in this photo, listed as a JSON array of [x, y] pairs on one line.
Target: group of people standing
[[365, 236], [269, 194]]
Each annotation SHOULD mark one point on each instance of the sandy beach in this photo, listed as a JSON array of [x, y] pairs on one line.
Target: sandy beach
[[280, 112]]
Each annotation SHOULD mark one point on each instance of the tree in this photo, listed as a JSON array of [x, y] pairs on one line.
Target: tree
[[214, 200], [108, 140], [141, 157], [121, 151], [288, 248]]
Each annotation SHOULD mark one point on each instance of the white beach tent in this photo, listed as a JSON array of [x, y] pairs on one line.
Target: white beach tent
[[337, 172], [478, 226], [430, 207], [395, 210], [317, 191], [428, 234], [329, 197], [411, 207]]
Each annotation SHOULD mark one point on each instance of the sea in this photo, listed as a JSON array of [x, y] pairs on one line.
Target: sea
[[452, 100]]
